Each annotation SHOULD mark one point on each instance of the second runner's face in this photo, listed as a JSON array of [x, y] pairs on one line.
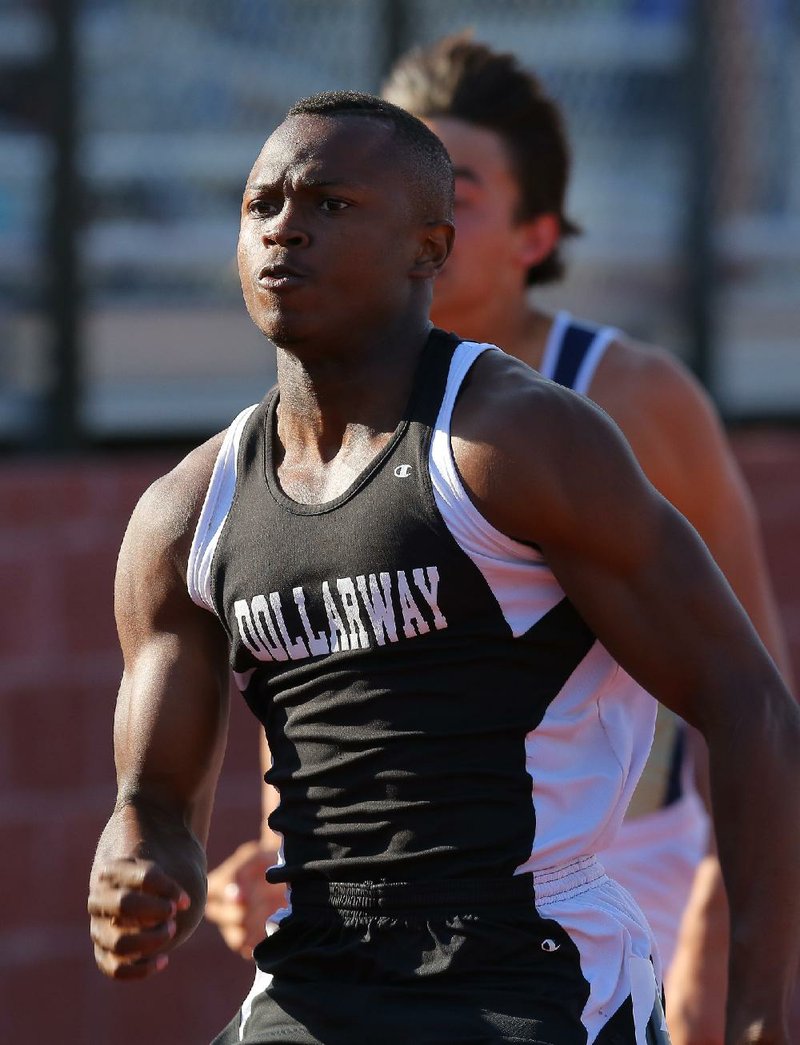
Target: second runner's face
[[489, 260], [327, 235]]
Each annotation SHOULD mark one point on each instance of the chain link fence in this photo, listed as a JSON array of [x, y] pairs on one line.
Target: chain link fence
[[686, 179]]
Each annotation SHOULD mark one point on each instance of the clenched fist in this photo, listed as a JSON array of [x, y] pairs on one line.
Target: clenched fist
[[133, 908]]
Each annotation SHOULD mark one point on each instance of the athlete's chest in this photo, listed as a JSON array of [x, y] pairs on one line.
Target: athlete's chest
[[370, 569], [317, 474]]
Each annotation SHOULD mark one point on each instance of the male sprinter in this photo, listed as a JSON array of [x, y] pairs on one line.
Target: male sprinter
[[511, 158], [430, 568]]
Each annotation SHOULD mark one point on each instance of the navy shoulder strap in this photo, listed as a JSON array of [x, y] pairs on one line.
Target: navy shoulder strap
[[575, 343]]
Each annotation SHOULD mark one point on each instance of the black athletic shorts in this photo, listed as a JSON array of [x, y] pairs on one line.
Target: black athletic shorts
[[436, 963]]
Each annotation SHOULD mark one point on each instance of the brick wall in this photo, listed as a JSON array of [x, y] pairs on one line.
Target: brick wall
[[59, 535], [60, 528]]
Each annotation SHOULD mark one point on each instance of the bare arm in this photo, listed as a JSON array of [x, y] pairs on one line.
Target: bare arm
[[646, 585], [147, 886], [678, 439]]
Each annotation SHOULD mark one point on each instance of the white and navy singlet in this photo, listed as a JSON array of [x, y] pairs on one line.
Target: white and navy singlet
[[665, 831], [436, 709]]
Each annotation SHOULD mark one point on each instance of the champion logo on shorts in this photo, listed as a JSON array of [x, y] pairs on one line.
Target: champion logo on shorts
[[550, 945], [402, 471]]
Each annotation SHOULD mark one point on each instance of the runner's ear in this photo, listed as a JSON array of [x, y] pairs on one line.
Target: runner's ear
[[538, 238], [435, 244]]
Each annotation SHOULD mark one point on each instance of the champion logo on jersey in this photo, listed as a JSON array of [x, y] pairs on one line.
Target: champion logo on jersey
[[402, 471]]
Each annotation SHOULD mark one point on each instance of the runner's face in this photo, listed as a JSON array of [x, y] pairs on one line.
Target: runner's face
[[327, 235], [488, 262]]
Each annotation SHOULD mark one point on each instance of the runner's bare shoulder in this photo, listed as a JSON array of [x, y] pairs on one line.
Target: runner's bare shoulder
[[524, 446], [162, 525], [507, 411]]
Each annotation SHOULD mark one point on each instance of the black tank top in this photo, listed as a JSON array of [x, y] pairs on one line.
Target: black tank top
[[396, 700]]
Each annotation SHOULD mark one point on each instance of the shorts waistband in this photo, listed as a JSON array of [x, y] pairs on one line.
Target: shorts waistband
[[564, 880], [455, 894]]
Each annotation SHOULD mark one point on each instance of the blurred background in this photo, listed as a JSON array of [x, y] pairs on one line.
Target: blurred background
[[127, 128]]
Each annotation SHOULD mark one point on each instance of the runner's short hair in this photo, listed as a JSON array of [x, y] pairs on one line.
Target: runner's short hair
[[428, 167]]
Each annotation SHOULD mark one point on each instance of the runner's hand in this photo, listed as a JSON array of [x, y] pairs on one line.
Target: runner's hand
[[133, 906], [240, 900]]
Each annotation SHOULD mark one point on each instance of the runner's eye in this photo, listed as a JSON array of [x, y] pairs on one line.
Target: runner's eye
[[334, 205], [261, 208]]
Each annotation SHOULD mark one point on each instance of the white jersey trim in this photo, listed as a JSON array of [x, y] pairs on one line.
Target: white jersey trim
[[506, 564], [600, 709], [217, 504]]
